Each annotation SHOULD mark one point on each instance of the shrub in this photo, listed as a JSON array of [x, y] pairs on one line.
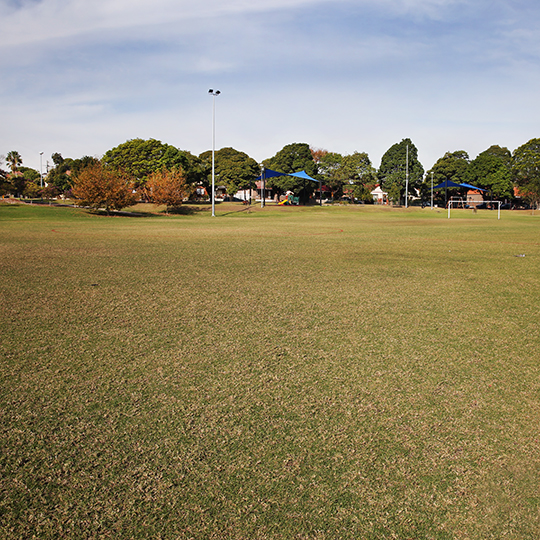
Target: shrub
[[102, 187], [168, 187]]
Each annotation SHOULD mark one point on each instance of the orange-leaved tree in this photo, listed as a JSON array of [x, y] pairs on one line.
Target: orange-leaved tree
[[168, 187], [98, 187]]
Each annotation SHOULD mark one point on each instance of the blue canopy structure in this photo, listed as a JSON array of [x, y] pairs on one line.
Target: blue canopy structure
[[269, 173], [472, 187], [304, 175], [447, 184]]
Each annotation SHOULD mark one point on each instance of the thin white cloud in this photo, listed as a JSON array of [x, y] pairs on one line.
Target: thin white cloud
[[50, 19], [31, 21]]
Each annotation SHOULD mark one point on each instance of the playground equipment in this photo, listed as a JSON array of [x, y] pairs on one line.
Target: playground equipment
[[290, 200]]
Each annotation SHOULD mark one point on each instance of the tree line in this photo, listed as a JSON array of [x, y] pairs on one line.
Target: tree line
[[159, 172]]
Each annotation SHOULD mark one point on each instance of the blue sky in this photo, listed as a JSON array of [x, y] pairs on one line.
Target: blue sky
[[79, 77]]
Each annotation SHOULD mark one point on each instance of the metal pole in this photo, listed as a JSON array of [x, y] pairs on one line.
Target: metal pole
[[262, 186], [213, 153], [407, 180], [432, 190], [41, 169], [214, 94]]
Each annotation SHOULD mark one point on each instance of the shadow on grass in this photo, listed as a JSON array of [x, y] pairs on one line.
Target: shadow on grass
[[122, 213], [185, 210], [181, 210], [246, 210]]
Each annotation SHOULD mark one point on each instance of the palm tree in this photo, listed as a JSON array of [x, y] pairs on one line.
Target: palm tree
[[13, 159]]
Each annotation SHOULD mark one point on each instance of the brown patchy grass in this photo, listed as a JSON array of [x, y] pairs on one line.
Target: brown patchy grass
[[311, 374]]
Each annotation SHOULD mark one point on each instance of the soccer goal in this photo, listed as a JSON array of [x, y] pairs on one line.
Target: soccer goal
[[459, 202]]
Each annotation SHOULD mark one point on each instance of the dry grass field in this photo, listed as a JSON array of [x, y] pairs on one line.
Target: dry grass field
[[292, 373]]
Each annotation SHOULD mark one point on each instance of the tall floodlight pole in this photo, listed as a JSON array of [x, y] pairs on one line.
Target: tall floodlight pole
[[213, 94], [41, 169], [432, 190], [407, 179]]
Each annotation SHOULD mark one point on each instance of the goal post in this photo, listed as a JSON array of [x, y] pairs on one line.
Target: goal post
[[450, 202]]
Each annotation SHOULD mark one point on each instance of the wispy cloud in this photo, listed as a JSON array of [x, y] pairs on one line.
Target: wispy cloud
[[36, 20], [347, 74]]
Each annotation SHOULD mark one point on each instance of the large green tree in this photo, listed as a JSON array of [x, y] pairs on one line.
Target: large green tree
[[358, 174], [30, 181], [328, 166], [140, 158], [491, 170], [291, 158], [65, 171], [233, 169], [60, 175], [451, 167], [392, 173], [526, 170], [29, 174]]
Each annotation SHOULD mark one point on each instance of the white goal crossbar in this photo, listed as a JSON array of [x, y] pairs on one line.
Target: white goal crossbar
[[461, 202]]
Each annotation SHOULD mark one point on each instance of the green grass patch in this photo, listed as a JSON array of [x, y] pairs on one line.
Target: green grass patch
[[278, 373]]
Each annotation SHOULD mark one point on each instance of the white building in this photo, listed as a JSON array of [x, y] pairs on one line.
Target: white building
[[379, 196]]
